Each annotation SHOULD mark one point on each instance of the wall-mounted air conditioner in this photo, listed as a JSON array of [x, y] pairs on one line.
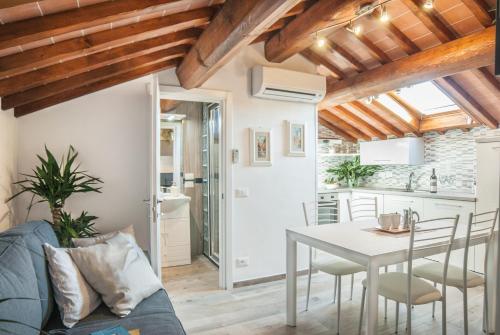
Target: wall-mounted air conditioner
[[280, 84]]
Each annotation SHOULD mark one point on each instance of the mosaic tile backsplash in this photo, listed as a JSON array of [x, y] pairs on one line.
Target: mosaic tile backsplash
[[452, 154]]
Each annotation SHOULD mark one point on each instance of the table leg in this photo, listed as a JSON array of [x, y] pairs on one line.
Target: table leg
[[291, 281], [372, 299]]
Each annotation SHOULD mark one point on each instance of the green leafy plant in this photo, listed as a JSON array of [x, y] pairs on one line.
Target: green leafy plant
[[54, 182], [69, 228], [351, 171]]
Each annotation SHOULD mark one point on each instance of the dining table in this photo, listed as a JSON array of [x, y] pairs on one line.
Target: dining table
[[363, 243]]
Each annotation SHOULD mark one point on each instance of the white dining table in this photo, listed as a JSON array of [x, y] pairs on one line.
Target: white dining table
[[360, 243]]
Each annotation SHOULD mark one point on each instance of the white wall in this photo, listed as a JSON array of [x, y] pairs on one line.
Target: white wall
[[276, 193], [8, 166], [109, 129]]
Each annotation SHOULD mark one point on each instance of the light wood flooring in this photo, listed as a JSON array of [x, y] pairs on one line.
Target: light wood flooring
[[260, 309]]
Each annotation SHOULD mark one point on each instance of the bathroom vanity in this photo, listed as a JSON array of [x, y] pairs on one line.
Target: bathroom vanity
[[175, 230]]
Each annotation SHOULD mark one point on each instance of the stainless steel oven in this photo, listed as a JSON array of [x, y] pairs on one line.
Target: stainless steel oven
[[328, 207]]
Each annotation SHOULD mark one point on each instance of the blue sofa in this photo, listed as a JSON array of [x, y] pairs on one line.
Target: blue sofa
[[24, 274]]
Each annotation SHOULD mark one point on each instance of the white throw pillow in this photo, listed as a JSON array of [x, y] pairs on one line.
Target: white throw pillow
[[74, 297], [119, 271], [88, 241]]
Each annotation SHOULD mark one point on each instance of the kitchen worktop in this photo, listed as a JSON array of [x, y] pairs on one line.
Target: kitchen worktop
[[461, 196]]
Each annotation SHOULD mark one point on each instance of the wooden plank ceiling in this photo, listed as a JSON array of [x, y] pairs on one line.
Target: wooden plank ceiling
[[52, 51]]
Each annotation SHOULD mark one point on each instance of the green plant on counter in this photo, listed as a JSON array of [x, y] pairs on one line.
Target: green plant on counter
[[69, 228], [351, 171]]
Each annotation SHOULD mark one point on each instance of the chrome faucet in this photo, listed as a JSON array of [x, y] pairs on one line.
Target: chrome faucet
[[410, 180]]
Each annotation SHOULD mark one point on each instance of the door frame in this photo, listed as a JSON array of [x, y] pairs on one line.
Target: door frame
[[224, 98]]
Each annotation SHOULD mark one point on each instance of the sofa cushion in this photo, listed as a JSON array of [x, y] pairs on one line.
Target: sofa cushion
[[153, 316], [18, 280], [35, 234]]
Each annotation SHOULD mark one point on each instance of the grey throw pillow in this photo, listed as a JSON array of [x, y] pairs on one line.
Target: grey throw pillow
[[119, 271], [88, 241], [74, 296]]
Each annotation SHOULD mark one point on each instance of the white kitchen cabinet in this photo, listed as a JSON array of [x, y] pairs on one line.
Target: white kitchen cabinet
[[397, 203], [175, 232], [400, 151], [439, 208], [379, 197]]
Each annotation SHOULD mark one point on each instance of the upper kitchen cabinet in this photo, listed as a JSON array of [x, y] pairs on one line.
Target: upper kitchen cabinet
[[400, 151]]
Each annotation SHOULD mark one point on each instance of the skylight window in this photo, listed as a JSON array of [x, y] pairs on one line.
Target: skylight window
[[427, 98], [396, 108]]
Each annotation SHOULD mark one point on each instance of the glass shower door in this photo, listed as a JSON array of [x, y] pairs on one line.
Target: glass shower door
[[211, 140]]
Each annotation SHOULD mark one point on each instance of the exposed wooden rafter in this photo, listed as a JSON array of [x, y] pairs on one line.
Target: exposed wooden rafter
[[86, 63], [299, 34], [445, 121], [341, 124], [380, 121], [333, 47], [62, 51], [90, 88], [234, 27], [358, 123], [320, 59], [476, 50], [481, 11], [401, 123], [336, 130], [373, 49], [38, 28]]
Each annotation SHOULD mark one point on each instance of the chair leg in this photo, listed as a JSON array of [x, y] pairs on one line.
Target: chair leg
[[385, 300], [363, 296], [443, 316], [397, 317], [335, 290], [352, 285], [486, 324], [466, 314], [408, 319], [308, 287], [434, 305], [338, 303]]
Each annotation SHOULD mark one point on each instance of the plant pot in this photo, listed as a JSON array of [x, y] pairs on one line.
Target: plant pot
[[353, 183]]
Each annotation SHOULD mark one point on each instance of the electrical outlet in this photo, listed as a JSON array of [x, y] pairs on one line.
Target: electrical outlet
[[242, 262]]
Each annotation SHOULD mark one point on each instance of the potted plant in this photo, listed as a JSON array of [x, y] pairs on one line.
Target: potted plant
[[351, 171], [54, 183]]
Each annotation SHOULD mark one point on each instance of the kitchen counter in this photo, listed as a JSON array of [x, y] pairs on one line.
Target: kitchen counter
[[460, 196]]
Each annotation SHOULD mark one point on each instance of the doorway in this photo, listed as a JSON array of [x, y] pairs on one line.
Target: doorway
[[195, 186]]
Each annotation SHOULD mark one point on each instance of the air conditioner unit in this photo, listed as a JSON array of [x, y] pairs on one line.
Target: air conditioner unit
[[280, 84]]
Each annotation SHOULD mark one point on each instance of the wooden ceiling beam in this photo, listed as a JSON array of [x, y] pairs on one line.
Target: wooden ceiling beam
[[473, 51], [466, 102], [401, 123], [94, 87], [235, 26], [396, 35], [62, 51], [337, 131], [319, 59], [446, 121], [56, 87], [79, 65], [358, 122], [344, 53], [299, 34], [383, 122], [416, 114], [38, 28], [341, 124], [373, 49], [481, 11]]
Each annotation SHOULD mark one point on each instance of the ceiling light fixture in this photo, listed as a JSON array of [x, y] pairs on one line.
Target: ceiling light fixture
[[320, 41], [355, 29], [428, 4], [384, 15]]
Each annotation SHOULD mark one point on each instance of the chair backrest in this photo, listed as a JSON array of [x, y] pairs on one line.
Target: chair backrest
[[362, 208], [320, 213], [480, 226], [427, 234]]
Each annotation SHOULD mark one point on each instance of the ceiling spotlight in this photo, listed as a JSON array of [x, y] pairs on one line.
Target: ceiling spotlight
[[428, 4], [369, 99], [355, 29], [320, 41], [384, 15]]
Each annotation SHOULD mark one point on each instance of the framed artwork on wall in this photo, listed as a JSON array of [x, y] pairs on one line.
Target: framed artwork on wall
[[260, 146], [296, 138]]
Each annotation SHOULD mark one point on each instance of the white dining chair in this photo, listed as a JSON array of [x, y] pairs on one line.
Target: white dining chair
[[320, 214], [408, 289], [362, 208], [460, 277]]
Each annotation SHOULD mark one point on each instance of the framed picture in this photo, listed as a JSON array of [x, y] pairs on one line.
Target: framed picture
[[296, 138], [260, 146]]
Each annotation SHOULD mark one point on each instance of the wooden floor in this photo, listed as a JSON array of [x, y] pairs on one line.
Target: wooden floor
[[259, 309]]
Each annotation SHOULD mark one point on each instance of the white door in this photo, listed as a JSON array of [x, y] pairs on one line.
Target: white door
[[154, 185]]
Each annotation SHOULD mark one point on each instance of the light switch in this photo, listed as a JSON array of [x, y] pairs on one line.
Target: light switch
[[241, 193]]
